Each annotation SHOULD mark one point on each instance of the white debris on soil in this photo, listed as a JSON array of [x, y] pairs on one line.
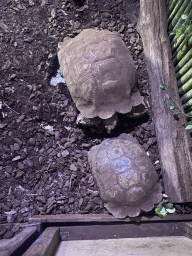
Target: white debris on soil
[[57, 79], [47, 127]]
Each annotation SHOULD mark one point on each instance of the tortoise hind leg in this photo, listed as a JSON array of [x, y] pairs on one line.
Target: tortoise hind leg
[[84, 121], [110, 123], [138, 111]]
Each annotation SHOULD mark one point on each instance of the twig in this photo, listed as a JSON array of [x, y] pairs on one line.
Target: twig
[[11, 108]]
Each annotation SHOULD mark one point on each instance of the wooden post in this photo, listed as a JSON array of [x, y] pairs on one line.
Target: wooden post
[[174, 141]]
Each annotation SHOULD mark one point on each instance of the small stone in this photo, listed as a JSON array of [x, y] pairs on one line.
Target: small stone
[[57, 135], [61, 160], [77, 25], [63, 140], [3, 219], [96, 22], [8, 235], [24, 209], [59, 154], [3, 231], [20, 219], [78, 156], [11, 212], [65, 153], [96, 200], [50, 133], [7, 65], [90, 180], [20, 119], [121, 28], [53, 153], [23, 155], [88, 207], [112, 23], [9, 169], [50, 201], [3, 26], [41, 199], [31, 142], [50, 209], [24, 203], [86, 145], [67, 145], [2, 196], [28, 162], [5, 207], [73, 167], [132, 40], [16, 158], [82, 8], [67, 184], [106, 15], [15, 228], [18, 141], [80, 202], [31, 3], [16, 147], [16, 203], [131, 25], [44, 2], [19, 175], [139, 48], [2, 126], [103, 24], [12, 77], [20, 166], [72, 139], [28, 40], [71, 200], [53, 13]]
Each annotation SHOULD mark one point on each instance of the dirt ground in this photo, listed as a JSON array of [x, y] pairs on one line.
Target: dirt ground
[[43, 153]]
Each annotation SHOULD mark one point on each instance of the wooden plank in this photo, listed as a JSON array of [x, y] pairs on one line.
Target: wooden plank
[[46, 244], [103, 218], [173, 140], [188, 230], [19, 243]]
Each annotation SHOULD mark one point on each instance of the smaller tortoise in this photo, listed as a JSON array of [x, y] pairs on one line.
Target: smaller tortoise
[[101, 77], [125, 176]]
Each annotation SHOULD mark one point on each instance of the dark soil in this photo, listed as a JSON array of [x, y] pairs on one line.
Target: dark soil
[[43, 154]]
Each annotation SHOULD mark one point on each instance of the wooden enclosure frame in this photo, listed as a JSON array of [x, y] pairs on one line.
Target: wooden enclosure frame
[[174, 141]]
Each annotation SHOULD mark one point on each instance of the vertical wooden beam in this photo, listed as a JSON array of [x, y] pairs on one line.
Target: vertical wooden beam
[[46, 244], [174, 141]]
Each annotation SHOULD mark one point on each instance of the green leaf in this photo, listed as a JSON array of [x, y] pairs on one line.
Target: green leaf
[[178, 207], [172, 32], [166, 201], [188, 127], [171, 106], [161, 212], [178, 32], [169, 205], [183, 16], [162, 86]]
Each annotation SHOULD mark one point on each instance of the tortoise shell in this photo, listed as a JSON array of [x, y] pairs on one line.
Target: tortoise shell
[[100, 73], [125, 176]]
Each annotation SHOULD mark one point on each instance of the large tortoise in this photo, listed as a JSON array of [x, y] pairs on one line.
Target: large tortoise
[[101, 76], [125, 176]]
